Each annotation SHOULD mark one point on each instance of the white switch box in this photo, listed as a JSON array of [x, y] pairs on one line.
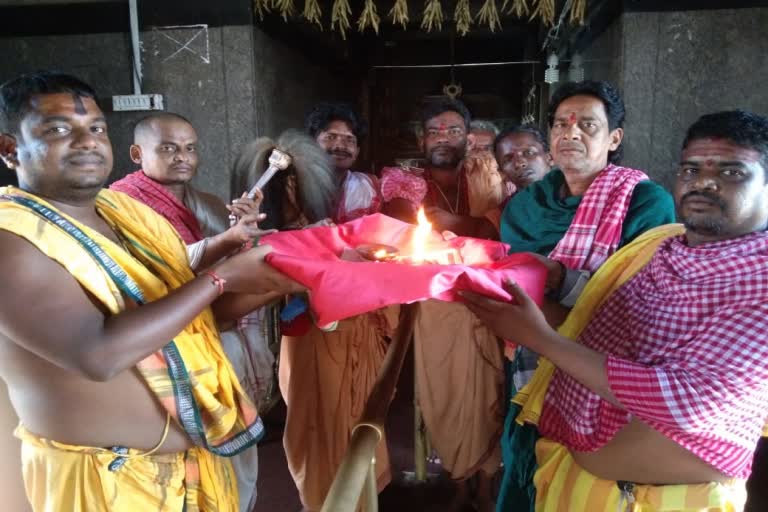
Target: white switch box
[[137, 102]]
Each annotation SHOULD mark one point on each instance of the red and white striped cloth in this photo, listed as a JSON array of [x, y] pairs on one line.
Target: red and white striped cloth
[[153, 194], [595, 232], [687, 340]]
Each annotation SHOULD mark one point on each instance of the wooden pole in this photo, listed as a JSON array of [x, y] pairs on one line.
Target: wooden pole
[[357, 464]]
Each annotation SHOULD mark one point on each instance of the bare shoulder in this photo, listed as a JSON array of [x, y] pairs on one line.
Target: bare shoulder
[[40, 301]]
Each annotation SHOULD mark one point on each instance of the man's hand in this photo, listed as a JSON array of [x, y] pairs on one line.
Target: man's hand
[[323, 223], [520, 321], [247, 272], [245, 211], [555, 274]]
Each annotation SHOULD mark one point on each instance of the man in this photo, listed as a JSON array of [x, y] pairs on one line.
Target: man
[[573, 219], [523, 156], [459, 369], [99, 287], [338, 129], [444, 186], [327, 374], [641, 408], [481, 136], [166, 147]]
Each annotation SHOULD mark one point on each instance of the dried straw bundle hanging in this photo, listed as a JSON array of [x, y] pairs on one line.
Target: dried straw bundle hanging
[[489, 14], [284, 7], [369, 17], [312, 12], [262, 7], [545, 10], [340, 13], [399, 13], [433, 16], [578, 12], [462, 17], [518, 8]]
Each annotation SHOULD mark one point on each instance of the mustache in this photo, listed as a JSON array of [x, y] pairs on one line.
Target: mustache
[[706, 195], [340, 152], [87, 156], [570, 145]]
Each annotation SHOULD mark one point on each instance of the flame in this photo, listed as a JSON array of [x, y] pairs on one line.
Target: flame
[[380, 254], [420, 238]]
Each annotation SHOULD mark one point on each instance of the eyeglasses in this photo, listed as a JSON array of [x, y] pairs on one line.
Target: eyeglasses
[[331, 138], [454, 132]]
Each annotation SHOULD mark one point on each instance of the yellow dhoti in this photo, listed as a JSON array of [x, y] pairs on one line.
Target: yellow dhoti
[[60, 477], [459, 379], [190, 377], [325, 379], [563, 486]]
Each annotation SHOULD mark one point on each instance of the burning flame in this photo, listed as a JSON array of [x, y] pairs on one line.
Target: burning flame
[[380, 254], [420, 238]]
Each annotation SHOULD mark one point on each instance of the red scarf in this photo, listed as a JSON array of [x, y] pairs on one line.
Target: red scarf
[[153, 194], [595, 232]]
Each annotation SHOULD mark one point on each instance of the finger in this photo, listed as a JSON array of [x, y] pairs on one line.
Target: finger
[[245, 212], [479, 300], [258, 233], [516, 292], [483, 314], [252, 219]]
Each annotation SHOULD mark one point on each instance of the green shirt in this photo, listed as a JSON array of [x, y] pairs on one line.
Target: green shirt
[[536, 218]]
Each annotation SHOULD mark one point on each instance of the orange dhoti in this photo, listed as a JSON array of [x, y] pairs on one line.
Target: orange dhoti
[[460, 380], [325, 379]]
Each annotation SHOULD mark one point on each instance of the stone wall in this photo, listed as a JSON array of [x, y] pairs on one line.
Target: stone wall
[[233, 83], [672, 67]]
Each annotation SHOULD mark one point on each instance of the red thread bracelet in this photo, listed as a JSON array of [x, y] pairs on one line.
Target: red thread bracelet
[[217, 281]]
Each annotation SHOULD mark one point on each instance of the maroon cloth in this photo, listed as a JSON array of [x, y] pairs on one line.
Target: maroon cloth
[[341, 289], [153, 194]]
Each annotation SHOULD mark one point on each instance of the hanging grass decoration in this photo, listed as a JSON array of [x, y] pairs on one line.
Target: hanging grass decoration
[[433, 16], [545, 11], [340, 13], [462, 17], [285, 8], [312, 12], [578, 12], [369, 17], [489, 14], [518, 8], [262, 7], [399, 13]]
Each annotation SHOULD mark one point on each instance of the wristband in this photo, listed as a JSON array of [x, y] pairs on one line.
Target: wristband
[[216, 281]]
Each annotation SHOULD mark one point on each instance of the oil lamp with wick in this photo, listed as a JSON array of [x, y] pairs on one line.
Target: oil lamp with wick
[[420, 253]]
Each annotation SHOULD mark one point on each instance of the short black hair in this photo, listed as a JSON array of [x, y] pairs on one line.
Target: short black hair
[[15, 94], [435, 107], [745, 129], [522, 128], [325, 113], [606, 93]]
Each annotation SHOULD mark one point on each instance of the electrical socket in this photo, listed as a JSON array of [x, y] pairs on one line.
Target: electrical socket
[[137, 102]]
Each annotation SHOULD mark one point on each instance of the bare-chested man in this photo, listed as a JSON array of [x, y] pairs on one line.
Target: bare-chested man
[[97, 381]]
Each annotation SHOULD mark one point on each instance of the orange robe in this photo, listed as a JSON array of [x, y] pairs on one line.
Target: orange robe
[[325, 379]]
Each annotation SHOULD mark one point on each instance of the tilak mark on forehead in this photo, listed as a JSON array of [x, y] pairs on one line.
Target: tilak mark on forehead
[[79, 106], [572, 118]]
